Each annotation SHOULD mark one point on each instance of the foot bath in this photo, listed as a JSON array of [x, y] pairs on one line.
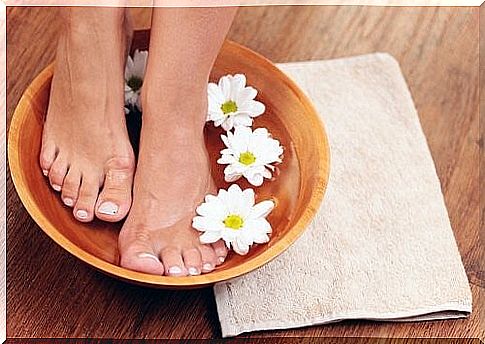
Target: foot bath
[[297, 191], [381, 246]]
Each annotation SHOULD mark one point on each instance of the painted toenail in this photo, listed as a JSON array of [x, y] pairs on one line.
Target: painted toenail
[[68, 201], [45, 172], [82, 214], [221, 259], [175, 270], [193, 271], [207, 267], [108, 208], [56, 187], [148, 255]]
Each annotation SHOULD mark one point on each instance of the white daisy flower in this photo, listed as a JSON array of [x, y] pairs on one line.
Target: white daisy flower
[[234, 217], [134, 75], [231, 102], [249, 154]]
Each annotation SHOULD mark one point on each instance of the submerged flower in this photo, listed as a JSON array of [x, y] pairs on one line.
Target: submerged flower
[[231, 102], [134, 74], [234, 217], [249, 154]]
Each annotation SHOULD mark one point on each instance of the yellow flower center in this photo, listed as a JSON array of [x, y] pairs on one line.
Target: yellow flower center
[[135, 83], [247, 158], [228, 107], [234, 222]]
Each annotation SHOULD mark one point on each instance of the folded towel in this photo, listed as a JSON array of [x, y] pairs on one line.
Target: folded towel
[[381, 247]]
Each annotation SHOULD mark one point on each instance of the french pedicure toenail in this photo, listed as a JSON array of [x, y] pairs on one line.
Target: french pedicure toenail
[[175, 270], [56, 187], [82, 214], [148, 255], [193, 271], [68, 201], [221, 259], [45, 172], [207, 267], [108, 208]]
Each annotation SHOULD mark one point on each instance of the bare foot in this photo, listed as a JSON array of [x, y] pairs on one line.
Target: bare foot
[[172, 178], [85, 144]]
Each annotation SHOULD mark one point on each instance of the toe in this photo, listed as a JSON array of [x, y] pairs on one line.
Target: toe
[[47, 157], [58, 172], [88, 193], [142, 261], [209, 258], [220, 250], [136, 252], [114, 201], [193, 261], [173, 262], [70, 188]]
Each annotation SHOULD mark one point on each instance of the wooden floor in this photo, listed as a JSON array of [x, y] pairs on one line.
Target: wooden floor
[[51, 294]]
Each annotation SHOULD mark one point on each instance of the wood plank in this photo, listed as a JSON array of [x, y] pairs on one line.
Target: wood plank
[[53, 294]]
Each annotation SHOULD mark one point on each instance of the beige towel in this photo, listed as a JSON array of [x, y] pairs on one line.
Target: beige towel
[[381, 246]]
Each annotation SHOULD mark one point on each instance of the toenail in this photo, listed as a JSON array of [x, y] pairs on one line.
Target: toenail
[[221, 259], [148, 255], [207, 267], [108, 208], [193, 271], [68, 201], [82, 214], [45, 172], [56, 187], [174, 270]]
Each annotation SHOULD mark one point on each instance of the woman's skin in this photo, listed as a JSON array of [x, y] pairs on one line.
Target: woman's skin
[[86, 152], [85, 144]]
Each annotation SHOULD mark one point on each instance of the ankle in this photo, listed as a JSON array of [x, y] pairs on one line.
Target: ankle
[[183, 105], [106, 22]]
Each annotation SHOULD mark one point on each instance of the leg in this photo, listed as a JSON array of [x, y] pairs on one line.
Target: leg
[[173, 173], [85, 143]]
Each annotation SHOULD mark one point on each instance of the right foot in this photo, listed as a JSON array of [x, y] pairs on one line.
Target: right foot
[[172, 178], [85, 145]]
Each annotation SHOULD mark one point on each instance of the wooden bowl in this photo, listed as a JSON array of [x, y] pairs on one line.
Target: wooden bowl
[[298, 189]]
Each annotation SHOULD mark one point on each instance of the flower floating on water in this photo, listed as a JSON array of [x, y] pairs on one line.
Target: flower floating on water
[[250, 154], [234, 217], [134, 75], [231, 102]]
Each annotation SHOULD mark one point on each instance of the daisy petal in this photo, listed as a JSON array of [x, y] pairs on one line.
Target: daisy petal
[[209, 237], [240, 248], [256, 108], [225, 86], [262, 209], [139, 63], [243, 120], [215, 94], [249, 196], [231, 178], [228, 124], [212, 210], [207, 224], [260, 238], [238, 83], [245, 95], [129, 68], [255, 179], [226, 159], [267, 173]]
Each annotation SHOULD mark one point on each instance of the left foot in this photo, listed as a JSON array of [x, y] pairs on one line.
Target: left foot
[[86, 153]]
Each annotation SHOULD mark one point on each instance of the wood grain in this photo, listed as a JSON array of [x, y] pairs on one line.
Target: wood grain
[[53, 294]]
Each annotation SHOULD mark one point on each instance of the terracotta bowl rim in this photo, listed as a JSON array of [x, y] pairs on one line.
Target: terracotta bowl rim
[[318, 191]]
